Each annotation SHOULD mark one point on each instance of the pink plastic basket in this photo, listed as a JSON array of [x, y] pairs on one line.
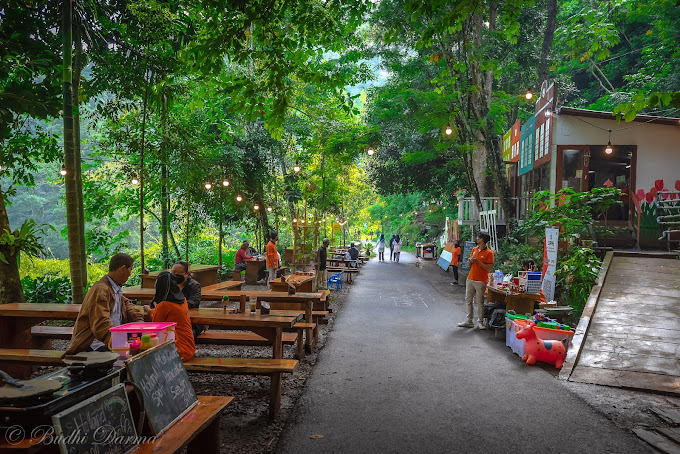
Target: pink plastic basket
[[122, 335]]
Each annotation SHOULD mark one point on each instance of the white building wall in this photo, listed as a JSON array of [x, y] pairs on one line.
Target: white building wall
[[658, 146]]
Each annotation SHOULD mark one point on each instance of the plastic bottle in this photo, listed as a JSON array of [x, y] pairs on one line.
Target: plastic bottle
[[134, 347], [154, 339], [146, 342]]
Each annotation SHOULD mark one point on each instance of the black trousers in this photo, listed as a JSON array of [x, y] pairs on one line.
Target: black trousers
[[455, 272]]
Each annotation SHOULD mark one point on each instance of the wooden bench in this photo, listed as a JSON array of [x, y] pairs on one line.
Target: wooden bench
[[198, 430], [248, 366], [240, 338], [31, 356]]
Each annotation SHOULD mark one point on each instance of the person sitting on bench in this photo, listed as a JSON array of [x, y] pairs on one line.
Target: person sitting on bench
[[190, 288], [104, 307], [171, 306], [353, 254], [241, 256]]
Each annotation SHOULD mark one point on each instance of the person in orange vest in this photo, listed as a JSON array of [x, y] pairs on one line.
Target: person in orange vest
[[455, 258], [272, 257], [481, 262]]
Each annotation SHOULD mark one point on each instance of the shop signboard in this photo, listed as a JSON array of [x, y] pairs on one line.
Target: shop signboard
[[543, 125], [514, 140], [550, 262], [526, 149], [507, 145]]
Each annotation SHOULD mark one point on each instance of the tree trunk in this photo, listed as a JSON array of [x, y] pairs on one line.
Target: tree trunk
[[72, 171], [141, 171], [78, 67], [548, 37], [10, 284], [165, 203]]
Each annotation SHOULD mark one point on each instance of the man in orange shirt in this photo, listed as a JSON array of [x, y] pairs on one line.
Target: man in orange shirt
[[481, 262], [272, 257]]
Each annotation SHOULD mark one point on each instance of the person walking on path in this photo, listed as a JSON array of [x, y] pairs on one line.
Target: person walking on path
[[392, 247], [454, 261], [481, 262], [397, 248], [272, 257], [381, 248]]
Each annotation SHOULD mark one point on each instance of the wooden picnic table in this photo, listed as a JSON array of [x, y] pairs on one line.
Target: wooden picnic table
[[301, 282], [268, 326], [253, 266], [146, 294], [16, 321], [203, 274], [342, 262]]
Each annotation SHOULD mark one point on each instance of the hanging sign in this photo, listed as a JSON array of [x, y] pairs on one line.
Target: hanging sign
[[526, 149], [550, 262], [543, 124]]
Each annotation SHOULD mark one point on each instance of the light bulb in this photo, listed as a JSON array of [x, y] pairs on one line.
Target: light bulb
[[529, 94], [208, 185], [135, 180], [239, 198], [284, 218], [448, 130], [609, 149], [256, 207], [225, 182], [269, 209], [371, 151], [296, 169], [63, 170], [295, 220]]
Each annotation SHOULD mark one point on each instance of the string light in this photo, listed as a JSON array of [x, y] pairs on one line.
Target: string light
[[208, 185], [294, 220], [63, 171], [529, 94], [448, 130], [256, 207], [134, 181], [269, 209], [609, 149], [239, 198], [284, 218], [225, 182], [296, 169], [371, 151]]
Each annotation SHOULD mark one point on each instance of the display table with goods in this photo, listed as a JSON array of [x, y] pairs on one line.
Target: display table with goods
[[550, 333], [519, 293]]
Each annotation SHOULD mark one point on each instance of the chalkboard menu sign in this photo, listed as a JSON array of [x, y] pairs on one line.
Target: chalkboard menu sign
[[467, 248], [164, 384], [102, 424]]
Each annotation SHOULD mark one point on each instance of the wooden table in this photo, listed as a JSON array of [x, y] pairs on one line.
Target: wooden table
[[253, 268], [268, 326], [16, 321], [342, 262], [521, 303], [146, 294], [301, 282], [203, 274]]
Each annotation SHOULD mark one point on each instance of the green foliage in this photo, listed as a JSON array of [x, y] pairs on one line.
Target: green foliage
[[576, 274], [47, 289], [511, 253], [25, 239], [571, 210], [38, 268]]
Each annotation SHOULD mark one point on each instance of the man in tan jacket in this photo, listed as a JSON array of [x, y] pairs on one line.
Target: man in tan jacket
[[104, 306]]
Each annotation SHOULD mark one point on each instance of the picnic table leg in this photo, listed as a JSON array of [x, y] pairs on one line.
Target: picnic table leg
[[242, 303], [277, 379], [308, 332], [208, 441], [15, 332]]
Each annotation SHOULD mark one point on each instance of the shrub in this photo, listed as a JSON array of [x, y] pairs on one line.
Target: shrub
[[47, 289], [509, 257], [575, 276]]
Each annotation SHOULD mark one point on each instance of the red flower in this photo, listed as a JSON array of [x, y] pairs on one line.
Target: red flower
[[649, 197], [677, 185], [653, 191], [665, 193], [640, 194], [673, 196], [658, 184]]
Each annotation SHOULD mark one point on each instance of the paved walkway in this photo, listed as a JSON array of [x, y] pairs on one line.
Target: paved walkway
[[398, 376]]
